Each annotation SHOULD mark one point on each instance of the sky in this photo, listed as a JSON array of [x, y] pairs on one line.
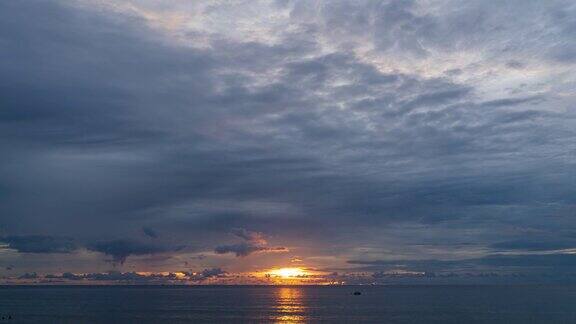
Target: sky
[[360, 141]]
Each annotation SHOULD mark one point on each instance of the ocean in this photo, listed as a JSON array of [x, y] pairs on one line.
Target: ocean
[[288, 304]]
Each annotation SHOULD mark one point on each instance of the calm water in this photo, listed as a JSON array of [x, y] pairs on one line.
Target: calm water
[[396, 304]]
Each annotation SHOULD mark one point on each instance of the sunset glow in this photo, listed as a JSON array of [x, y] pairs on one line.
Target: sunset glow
[[286, 273]]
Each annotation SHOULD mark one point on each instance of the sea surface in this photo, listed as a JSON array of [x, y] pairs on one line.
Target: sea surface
[[288, 304]]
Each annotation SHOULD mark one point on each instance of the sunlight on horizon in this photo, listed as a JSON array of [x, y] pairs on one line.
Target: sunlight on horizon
[[287, 273]]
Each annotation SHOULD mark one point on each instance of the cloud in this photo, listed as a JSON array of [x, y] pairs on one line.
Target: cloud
[[535, 244], [398, 121], [246, 248], [149, 232], [70, 276], [412, 265], [29, 275], [135, 277], [552, 263], [105, 276], [253, 237], [66, 276], [40, 244], [511, 101], [121, 249], [116, 276], [535, 260], [209, 273], [254, 242]]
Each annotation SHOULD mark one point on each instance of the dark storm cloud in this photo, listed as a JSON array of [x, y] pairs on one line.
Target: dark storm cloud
[[121, 249], [111, 128], [77, 92], [253, 242], [40, 244], [149, 232]]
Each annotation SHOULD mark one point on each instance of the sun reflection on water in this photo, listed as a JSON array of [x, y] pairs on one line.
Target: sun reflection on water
[[290, 305]]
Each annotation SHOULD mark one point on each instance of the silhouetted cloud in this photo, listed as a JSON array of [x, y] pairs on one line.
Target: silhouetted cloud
[[116, 276], [254, 242], [149, 232], [134, 277], [71, 276], [29, 275], [246, 248], [40, 244], [120, 250], [209, 273]]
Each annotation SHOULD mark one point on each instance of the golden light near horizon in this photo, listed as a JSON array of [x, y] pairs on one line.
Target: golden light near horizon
[[287, 273]]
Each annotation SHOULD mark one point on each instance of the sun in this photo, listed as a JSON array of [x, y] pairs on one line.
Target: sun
[[286, 273]]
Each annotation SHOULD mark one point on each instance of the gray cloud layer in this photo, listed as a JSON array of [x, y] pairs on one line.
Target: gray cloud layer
[[337, 118]]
